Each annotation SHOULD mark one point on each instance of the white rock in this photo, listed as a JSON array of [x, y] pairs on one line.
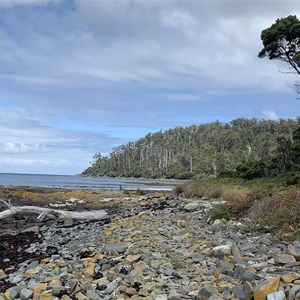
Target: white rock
[[276, 296], [161, 297], [221, 251]]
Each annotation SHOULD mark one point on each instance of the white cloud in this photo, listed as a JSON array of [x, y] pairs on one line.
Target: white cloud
[[182, 20], [73, 77], [10, 147], [270, 114], [26, 141]]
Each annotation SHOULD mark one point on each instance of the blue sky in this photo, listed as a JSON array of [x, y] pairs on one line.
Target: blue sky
[[83, 76]]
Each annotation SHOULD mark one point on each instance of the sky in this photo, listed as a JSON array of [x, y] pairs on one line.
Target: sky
[[79, 77]]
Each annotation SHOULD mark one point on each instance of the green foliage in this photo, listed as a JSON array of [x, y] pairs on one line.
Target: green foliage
[[251, 170], [282, 41], [221, 211], [140, 192], [266, 202], [196, 151]]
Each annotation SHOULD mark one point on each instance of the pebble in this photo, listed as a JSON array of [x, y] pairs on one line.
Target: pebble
[[157, 249]]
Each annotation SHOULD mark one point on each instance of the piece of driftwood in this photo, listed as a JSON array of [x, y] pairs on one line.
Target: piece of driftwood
[[43, 211]]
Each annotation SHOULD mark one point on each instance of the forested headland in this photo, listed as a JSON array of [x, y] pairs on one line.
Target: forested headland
[[250, 146]]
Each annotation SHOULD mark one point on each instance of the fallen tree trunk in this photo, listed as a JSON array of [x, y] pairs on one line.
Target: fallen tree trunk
[[42, 212]]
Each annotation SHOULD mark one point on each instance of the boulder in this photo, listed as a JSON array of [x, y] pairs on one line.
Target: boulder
[[265, 288], [221, 251]]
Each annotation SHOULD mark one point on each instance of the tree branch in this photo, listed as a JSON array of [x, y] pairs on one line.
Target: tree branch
[[62, 214]]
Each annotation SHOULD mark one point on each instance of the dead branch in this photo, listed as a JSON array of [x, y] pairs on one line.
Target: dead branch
[[42, 212]]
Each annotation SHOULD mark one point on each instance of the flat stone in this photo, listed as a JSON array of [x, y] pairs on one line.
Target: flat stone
[[276, 296], [30, 272], [57, 290], [161, 297], [290, 277], [133, 258], [219, 222], [16, 279], [116, 249], [136, 276], [80, 296], [14, 292], [294, 250], [32, 229], [235, 250], [241, 273], [266, 287], [207, 291], [294, 292], [191, 206], [284, 259], [89, 269], [92, 295], [26, 294], [226, 268]]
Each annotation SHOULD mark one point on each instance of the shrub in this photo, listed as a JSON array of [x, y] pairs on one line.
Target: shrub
[[221, 211], [178, 189], [251, 170], [140, 192], [263, 208], [238, 201]]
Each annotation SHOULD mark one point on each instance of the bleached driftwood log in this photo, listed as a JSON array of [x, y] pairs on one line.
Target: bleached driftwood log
[[42, 212]]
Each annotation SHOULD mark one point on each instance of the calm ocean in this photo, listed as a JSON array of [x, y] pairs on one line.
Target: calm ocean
[[69, 181]]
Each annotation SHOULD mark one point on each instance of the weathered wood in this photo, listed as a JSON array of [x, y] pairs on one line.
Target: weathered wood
[[43, 211]]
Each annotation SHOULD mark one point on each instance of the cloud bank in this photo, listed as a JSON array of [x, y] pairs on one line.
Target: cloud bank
[[79, 77]]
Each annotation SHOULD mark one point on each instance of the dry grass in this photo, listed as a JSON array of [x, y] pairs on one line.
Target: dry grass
[[264, 204]]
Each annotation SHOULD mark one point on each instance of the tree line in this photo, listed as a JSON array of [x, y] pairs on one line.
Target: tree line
[[197, 151]]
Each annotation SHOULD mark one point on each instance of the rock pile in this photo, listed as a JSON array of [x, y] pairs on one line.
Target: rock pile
[[160, 249]]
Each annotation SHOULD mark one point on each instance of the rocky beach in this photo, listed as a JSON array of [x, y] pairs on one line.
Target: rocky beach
[[157, 246]]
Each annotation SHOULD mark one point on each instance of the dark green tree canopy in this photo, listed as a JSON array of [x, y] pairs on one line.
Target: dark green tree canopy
[[282, 41]]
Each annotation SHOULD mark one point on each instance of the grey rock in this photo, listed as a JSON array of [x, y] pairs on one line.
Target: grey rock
[[206, 292], [235, 250], [15, 291], [93, 295], [26, 294], [227, 295], [192, 206], [245, 292], [16, 279], [112, 286], [293, 292], [33, 264], [239, 271], [226, 268], [266, 241], [173, 295], [57, 290], [115, 249], [294, 250]]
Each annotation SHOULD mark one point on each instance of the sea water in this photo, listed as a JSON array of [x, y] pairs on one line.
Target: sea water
[[78, 182]]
